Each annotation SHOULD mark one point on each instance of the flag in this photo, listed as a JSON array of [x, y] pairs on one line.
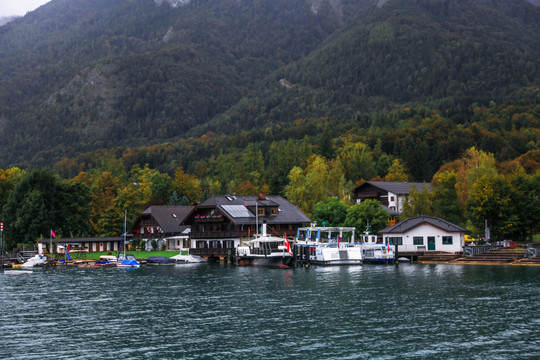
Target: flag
[[53, 234], [338, 241], [288, 245]]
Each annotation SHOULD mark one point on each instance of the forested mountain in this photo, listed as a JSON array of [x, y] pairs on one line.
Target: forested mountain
[[81, 75]]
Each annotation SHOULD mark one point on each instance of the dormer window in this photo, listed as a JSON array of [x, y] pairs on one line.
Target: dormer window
[[274, 211], [260, 211]]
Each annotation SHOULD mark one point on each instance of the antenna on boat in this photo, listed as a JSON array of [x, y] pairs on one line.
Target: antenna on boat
[[123, 237]]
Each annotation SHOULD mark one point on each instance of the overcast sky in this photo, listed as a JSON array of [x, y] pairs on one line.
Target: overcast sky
[[19, 7]]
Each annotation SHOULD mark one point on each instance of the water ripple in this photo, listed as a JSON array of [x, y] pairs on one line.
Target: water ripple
[[221, 312]]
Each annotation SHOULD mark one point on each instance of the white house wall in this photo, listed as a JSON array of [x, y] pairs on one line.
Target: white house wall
[[425, 231]]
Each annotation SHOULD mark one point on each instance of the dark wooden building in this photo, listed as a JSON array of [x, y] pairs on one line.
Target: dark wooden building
[[221, 223], [163, 224]]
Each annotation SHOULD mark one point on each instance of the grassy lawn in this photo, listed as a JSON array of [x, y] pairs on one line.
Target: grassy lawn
[[137, 254]]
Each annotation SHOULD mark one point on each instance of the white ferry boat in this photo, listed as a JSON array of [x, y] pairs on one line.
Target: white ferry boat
[[328, 246]]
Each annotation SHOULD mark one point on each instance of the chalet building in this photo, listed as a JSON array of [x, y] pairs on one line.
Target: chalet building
[[163, 224], [391, 195], [221, 223], [425, 234], [80, 245]]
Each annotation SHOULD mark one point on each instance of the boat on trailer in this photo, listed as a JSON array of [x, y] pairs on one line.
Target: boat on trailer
[[266, 250], [328, 246]]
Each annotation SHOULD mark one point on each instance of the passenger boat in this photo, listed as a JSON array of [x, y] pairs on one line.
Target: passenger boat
[[375, 251], [328, 246], [159, 261], [266, 250]]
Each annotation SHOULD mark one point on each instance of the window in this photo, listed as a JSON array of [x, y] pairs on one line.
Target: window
[[395, 240], [274, 211], [447, 240], [260, 211], [392, 198], [418, 240]]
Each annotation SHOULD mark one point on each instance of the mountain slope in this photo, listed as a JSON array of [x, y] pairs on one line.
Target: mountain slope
[[79, 75], [407, 52], [159, 70]]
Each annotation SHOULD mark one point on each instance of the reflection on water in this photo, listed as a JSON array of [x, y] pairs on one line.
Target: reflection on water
[[209, 311]]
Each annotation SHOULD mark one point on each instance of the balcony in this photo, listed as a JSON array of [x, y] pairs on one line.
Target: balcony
[[212, 251], [209, 218], [214, 234]]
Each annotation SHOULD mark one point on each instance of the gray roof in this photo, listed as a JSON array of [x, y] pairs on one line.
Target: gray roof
[[410, 223], [288, 213], [399, 188], [169, 217]]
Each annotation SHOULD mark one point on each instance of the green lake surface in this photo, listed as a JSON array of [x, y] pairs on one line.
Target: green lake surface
[[213, 311]]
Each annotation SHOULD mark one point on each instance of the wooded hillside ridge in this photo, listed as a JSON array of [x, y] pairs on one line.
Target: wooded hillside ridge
[[79, 76]]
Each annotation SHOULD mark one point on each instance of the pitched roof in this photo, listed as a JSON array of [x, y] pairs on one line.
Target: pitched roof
[[237, 208], [399, 188], [169, 217], [410, 223]]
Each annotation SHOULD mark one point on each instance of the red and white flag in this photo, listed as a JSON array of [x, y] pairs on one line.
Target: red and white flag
[[288, 245], [53, 234]]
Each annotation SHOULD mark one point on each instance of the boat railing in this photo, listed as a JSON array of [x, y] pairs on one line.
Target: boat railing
[[21, 258], [469, 251], [532, 251]]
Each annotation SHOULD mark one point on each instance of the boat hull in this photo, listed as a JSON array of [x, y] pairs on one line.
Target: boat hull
[[270, 261], [129, 264], [330, 256]]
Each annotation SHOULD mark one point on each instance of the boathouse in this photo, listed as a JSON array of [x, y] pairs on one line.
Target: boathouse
[[164, 225], [222, 223], [425, 234], [390, 194]]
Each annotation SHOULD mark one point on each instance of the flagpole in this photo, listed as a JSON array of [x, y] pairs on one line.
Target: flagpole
[[50, 243]]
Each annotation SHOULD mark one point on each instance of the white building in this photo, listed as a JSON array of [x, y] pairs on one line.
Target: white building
[[425, 233]]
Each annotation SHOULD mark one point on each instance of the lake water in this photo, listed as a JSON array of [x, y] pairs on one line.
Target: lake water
[[213, 311]]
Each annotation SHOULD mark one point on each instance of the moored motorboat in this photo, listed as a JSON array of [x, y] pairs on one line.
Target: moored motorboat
[[186, 258], [126, 260], [266, 250], [159, 261], [328, 246], [36, 260]]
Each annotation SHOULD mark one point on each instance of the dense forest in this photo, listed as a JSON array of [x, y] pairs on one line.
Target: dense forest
[[107, 105], [81, 75]]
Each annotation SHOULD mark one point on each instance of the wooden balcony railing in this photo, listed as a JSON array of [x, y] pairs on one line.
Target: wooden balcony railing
[[214, 234]]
